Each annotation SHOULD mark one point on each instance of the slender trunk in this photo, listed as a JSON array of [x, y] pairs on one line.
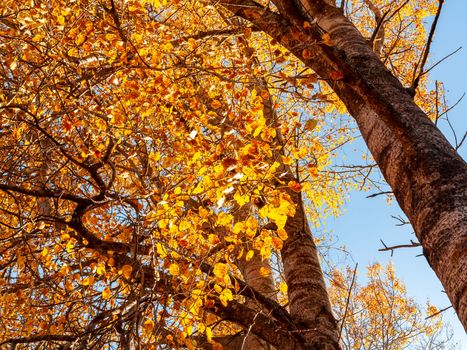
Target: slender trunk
[[252, 275], [309, 304]]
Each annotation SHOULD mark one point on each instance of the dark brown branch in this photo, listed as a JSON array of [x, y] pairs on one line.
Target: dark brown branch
[[392, 248], [215, 33], [259, 324], [378, 194], [39, 338], [44, 193], [377, 38], [421, 64], [270, 306]]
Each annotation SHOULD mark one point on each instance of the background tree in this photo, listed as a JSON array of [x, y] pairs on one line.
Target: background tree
[[380, 315]]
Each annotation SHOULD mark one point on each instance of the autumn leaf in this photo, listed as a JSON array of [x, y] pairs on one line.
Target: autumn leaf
[[106, 293], [249, 255], [225, 296], [310, 124], [126, 271], [294, 186], [88, 281], [174, 269], [220, 270]]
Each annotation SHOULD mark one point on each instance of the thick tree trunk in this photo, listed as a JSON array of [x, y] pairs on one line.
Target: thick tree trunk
[[427, 176]]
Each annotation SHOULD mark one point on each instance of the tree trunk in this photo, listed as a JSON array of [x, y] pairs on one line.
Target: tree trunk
[[309, 304], [426, 174], [251, 271]]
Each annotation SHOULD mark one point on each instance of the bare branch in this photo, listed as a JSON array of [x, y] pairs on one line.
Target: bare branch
[[421, 64], [394, 247]]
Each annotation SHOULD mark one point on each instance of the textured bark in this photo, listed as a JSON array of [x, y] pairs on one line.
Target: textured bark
[[309, 305], [251, 271], [260, 325], [427, 176]]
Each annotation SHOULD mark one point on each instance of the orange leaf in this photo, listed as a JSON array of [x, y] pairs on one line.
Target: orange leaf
[[295, 186]]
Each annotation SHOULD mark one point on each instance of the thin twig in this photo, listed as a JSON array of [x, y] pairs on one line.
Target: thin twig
[[347, 302], [441, 60], [378, 194], [421, 64], [454, 105], [401, 220]]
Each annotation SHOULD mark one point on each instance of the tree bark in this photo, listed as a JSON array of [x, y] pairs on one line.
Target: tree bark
[[251, 272], [426, 174], [309, 304]]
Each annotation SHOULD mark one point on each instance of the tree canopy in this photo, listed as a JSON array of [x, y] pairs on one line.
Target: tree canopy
[[164, 162]]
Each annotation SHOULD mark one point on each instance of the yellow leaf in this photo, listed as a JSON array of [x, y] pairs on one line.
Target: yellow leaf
[[45, 252], [80, 39], [64, 270], [37, 38], [249, 255], [226, 296], [174, 269], [224, 219], [106, 293], [88, 281], [216, 104], [241, 199], [61, 20], [282, 234], [201, 328], [155, 156], [277, 243], [209, 333], [220, 270], [148, 326], [161, 250], [238, 227], [283, 287], [295, 186], [310, 124], [73, 52], [100, 269], [69, 286], [66, 11], [287, 160]]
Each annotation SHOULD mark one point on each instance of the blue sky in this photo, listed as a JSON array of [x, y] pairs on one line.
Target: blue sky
[[367, 220]]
